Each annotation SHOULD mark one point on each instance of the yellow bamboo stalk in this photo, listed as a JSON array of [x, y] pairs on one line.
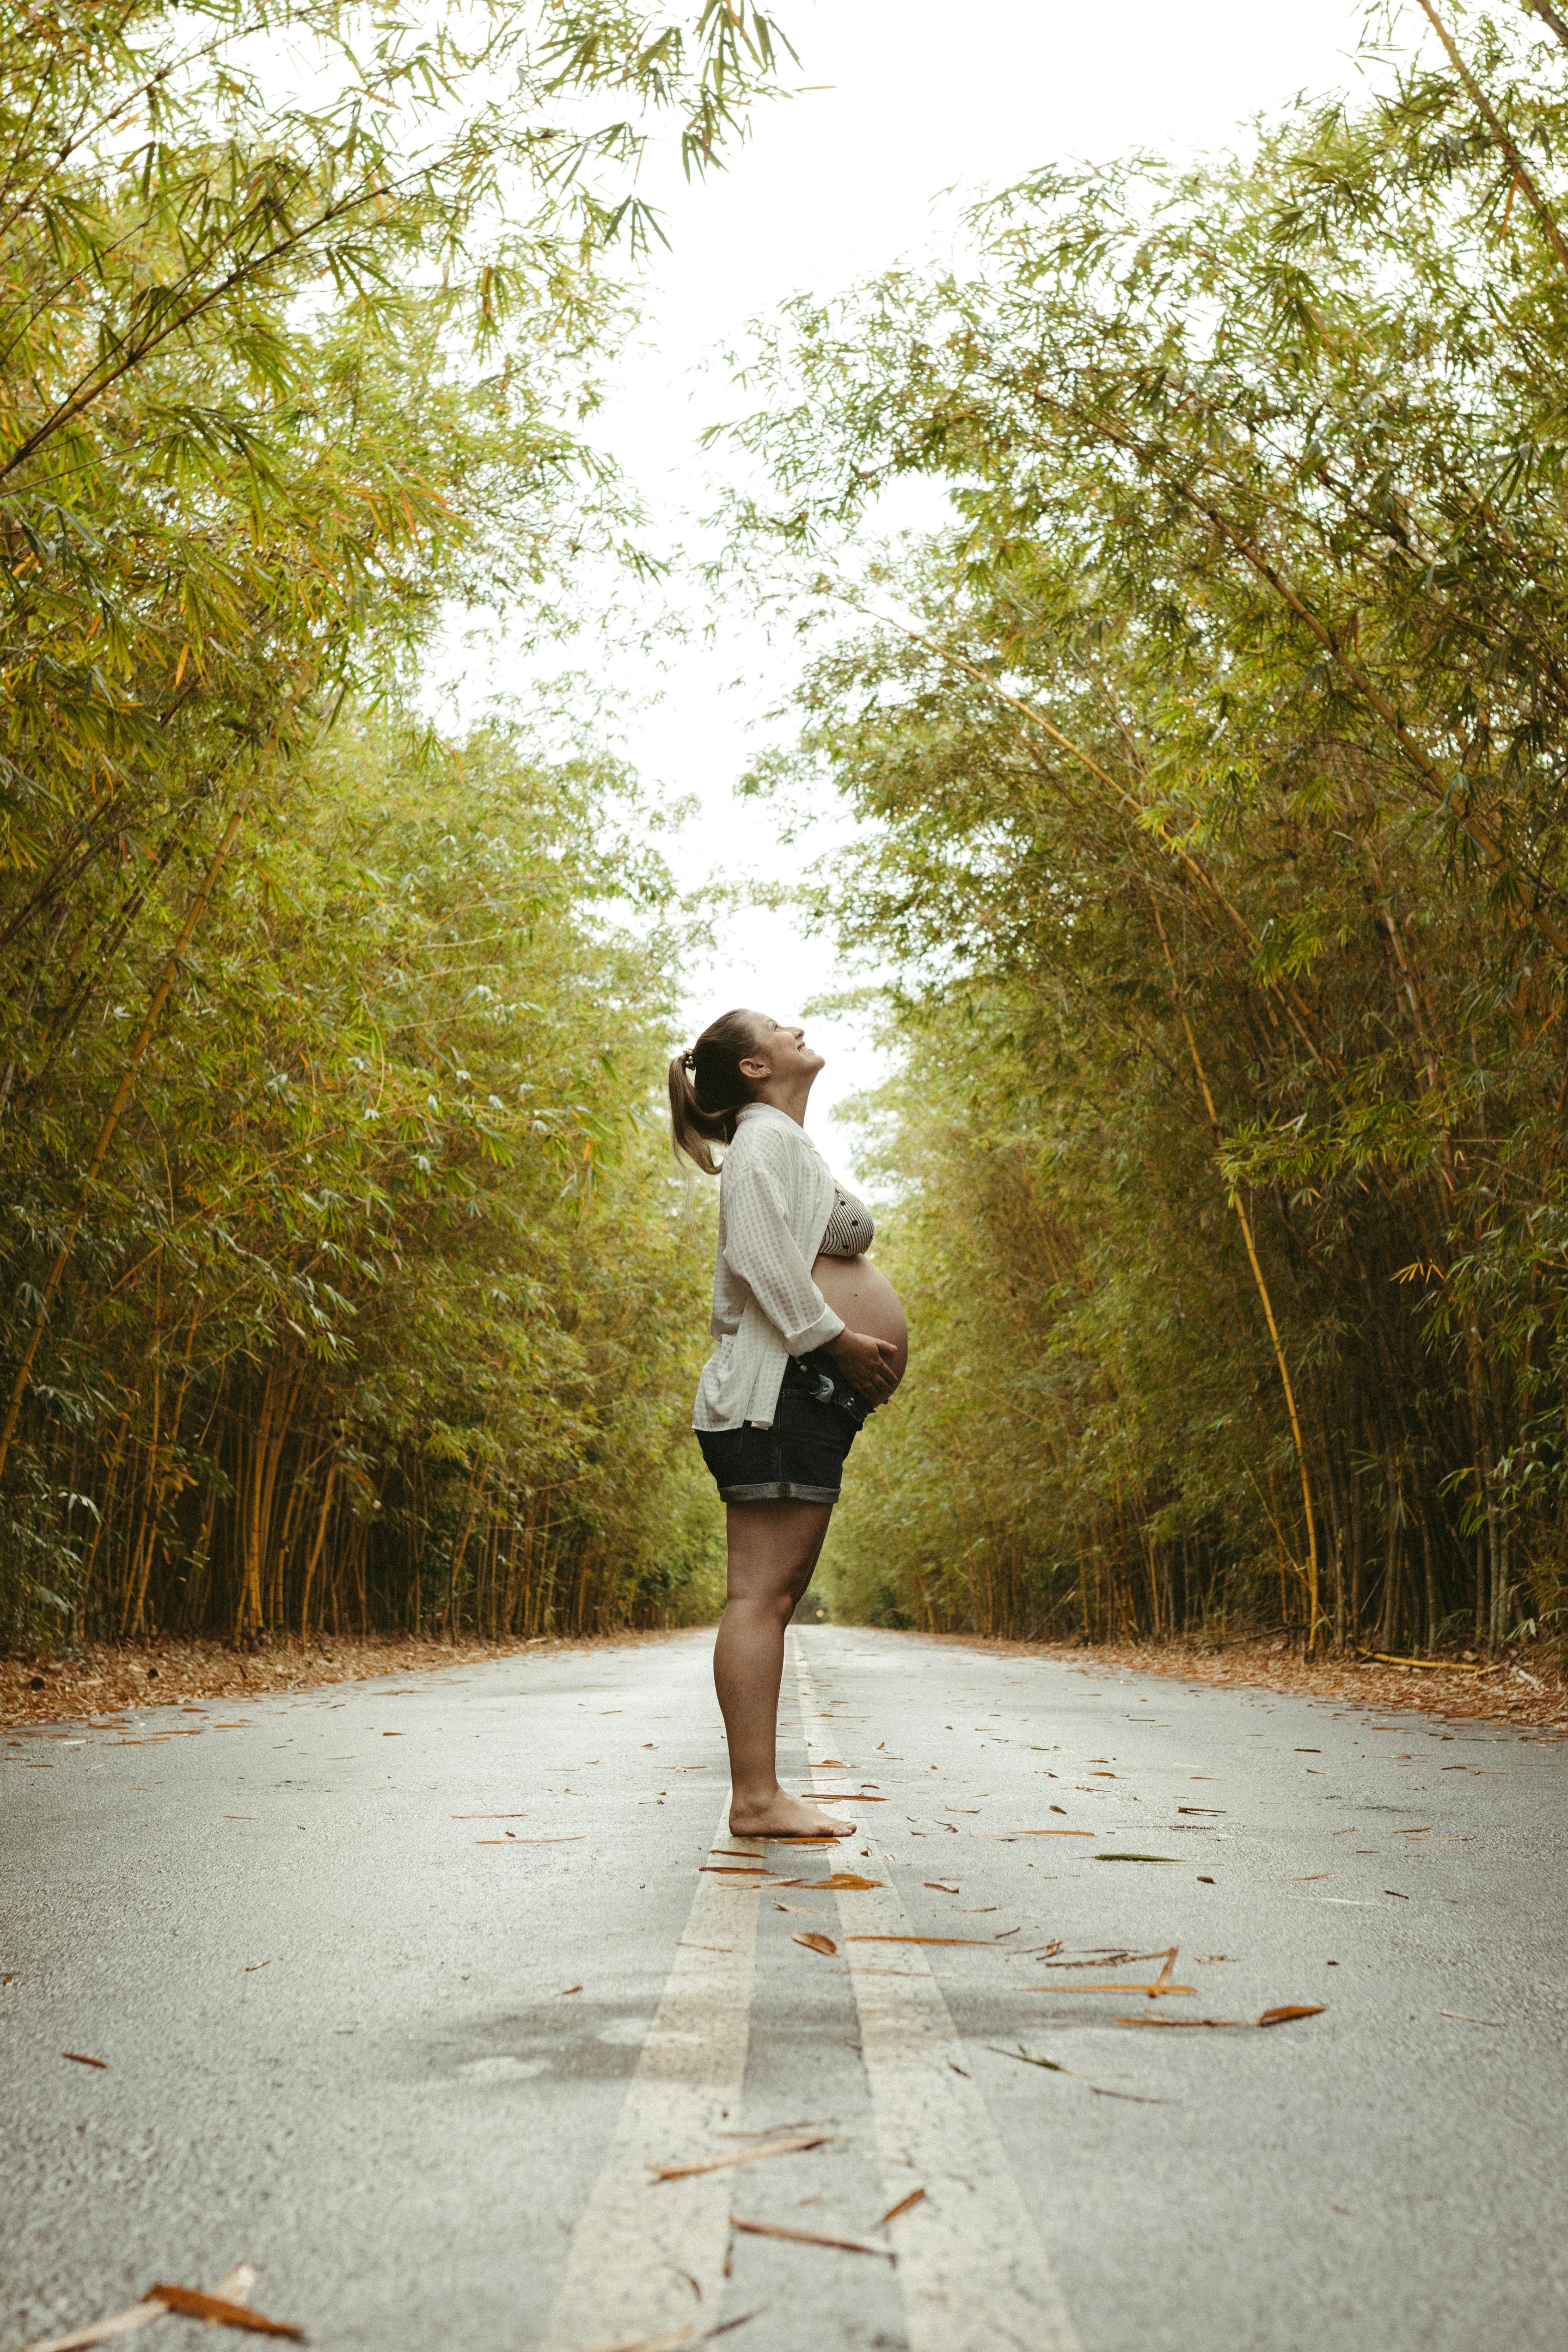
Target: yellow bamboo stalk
[[112, 1116], [1245, 1223], [1490, 116]]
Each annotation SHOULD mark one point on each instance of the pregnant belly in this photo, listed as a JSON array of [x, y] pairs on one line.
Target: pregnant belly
[[860, 1292]]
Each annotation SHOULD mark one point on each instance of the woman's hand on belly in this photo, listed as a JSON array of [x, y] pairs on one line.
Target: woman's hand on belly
[[856, 1288], [869, 1365]]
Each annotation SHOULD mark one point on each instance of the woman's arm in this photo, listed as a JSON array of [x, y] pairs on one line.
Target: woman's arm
[[761, 1249]]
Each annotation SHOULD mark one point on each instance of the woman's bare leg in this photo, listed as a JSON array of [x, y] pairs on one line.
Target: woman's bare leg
[[772, 1548]]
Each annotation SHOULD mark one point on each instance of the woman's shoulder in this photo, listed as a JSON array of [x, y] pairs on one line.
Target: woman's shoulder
[[771, 1135]]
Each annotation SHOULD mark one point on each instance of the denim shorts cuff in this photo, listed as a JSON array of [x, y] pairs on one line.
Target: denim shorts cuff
[[779, 1490]]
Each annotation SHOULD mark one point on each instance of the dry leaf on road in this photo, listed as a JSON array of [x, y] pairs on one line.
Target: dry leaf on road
[[843, 1882], [232, 2289], [816, 1943], [1179, 2022], [893, 2212], [84, 2061], [983, 1942], [1028, 2058], [1154, 1991], [811, 2238], [1271, 2017], [796, 2145], [192, 2304]]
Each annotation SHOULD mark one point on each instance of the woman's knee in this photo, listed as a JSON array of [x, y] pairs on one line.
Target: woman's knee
[[769, 1602]]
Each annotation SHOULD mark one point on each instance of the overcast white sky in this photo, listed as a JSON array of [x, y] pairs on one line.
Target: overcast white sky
[[836, 184]]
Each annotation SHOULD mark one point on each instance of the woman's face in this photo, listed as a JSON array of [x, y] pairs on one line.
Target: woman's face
[[781, 1052]]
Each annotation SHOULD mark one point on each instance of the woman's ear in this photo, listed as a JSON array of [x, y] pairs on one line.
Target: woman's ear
[[755, 1065]]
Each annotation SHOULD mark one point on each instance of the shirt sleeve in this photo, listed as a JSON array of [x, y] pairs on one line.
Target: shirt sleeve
[[760, 1248]]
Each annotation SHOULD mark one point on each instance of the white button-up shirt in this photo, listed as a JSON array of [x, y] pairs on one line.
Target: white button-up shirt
[[776, 1196]]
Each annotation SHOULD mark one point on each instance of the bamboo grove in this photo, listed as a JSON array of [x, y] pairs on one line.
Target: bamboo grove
[[341, 1274], [1215, 767]]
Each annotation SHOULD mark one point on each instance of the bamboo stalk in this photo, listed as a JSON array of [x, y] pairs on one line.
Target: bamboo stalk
[[112, 1116], [1245, 1223]]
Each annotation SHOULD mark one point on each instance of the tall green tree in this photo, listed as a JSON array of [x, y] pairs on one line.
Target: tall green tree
[[300, 308], [1215, 758]]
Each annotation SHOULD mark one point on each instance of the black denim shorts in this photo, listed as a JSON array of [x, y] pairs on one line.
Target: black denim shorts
[[799, 1460]]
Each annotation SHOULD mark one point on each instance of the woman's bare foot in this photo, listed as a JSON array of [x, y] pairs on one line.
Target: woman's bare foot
[[782, 1815]]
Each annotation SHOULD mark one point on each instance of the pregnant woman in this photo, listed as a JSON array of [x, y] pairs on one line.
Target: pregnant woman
[[811, 1337]]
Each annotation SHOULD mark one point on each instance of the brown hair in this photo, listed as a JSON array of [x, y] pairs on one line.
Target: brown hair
[[707, 1091]]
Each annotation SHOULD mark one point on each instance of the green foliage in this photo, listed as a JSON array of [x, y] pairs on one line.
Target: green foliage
[[1217, 757], [387, 1310], [299, 306]]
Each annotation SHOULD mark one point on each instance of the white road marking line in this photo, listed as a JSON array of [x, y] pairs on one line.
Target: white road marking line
[[974, 2274], [641, 2243]]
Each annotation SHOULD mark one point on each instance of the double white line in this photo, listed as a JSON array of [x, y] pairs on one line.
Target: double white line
[[973, 2272]]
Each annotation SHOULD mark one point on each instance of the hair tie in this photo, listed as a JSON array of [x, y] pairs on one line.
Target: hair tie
[[688, 1060]]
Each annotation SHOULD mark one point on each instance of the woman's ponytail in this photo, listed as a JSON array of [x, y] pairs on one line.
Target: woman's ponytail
[[707, 1091]]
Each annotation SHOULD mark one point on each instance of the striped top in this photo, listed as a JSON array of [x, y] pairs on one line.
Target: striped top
[[850, 1231]]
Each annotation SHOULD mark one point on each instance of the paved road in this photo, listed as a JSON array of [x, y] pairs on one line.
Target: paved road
[[402, 1990]]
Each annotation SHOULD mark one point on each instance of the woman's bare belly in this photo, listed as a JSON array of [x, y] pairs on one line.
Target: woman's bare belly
[[859, 1290]]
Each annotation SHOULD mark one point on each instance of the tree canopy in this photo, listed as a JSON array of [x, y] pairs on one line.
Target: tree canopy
[[1214, 764], [300, 309]]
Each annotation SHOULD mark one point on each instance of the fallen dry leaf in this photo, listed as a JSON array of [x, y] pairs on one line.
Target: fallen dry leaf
[[1292, 2009], [669, 2343], [1464, 2019], [795, 2144], [575, 1839], [565, 1989], [778, 2131], [902, 2205], [983, 1941], [1154, 1991], [941, 1886], [842, 1882], [232, 2289], [816, 1943], [1053, 1833], [1179, 2022], [84, 2061], [1028, 2058], [1099, 1959], [741, 2319], [811, 2238], [192, 2304]]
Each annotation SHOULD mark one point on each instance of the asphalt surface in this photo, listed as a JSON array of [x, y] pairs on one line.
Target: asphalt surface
[[401, 1990]]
